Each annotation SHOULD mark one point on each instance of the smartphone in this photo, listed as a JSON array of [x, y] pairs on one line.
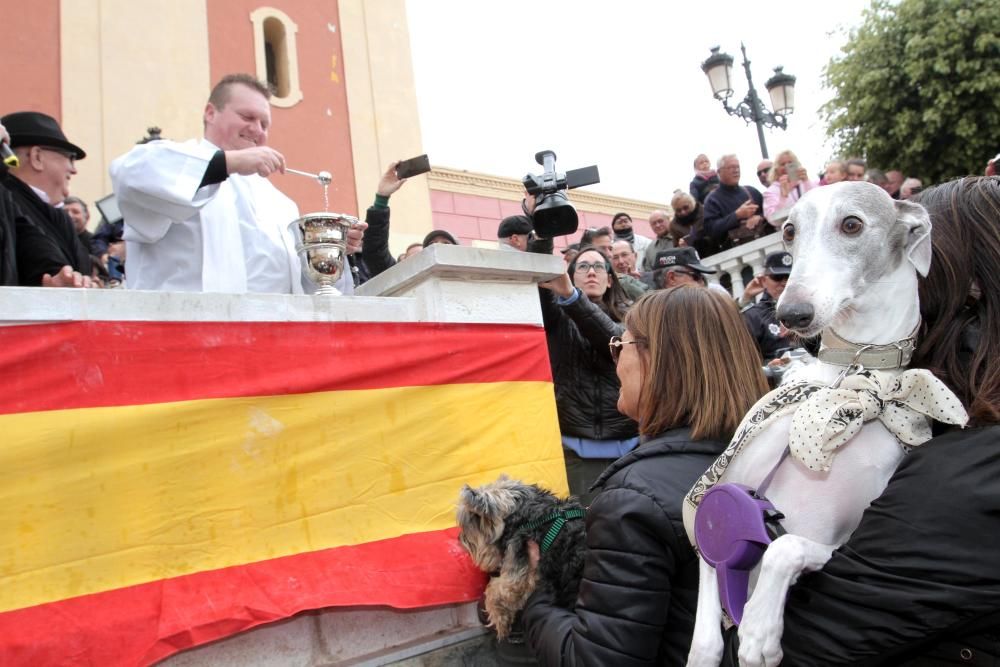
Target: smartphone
[[413, 167], [108, 207], [792, 169]]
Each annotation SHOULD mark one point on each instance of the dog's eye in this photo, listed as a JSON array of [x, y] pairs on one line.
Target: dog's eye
[[851, 225], [788, 233]]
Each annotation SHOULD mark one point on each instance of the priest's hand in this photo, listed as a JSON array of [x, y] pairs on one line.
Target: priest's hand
[[262, 160]]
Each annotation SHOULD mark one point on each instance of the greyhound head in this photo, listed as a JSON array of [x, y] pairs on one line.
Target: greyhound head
[[856, 256]]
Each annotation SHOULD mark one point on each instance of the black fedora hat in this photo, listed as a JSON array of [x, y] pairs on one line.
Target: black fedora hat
[[32, 128]]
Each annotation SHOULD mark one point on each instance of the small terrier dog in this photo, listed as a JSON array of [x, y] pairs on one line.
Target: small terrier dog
[[497, 521]]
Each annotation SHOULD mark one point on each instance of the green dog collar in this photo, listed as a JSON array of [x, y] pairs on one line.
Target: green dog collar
[[558, 520]]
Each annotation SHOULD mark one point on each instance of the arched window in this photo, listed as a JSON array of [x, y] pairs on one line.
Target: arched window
[[276, 54]]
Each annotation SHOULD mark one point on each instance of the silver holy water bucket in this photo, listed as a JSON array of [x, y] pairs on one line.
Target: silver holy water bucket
[[321, 243]]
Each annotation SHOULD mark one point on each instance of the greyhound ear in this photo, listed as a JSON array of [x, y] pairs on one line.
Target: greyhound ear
[[918, 234]]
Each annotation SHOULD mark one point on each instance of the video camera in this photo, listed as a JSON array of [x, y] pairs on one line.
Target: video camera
[[554, 215]]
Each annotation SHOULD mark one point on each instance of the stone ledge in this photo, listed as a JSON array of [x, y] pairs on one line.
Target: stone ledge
[[466, 264]]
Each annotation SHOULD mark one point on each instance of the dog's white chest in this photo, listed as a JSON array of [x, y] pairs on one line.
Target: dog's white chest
[[822, 506]]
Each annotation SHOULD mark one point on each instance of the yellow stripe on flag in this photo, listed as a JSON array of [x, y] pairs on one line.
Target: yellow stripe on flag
[[102, 498]]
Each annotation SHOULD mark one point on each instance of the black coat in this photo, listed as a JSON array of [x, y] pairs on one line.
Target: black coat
[[586, 383], [766, 330], [46, 238], [919, 574], [375, 249], [701, 187], [640, 580], [720, 213], [8, 238]]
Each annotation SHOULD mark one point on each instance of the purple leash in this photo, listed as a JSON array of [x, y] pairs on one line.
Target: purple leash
[[733, 526]]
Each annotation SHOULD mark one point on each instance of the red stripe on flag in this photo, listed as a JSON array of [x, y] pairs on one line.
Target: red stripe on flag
[[91, 364], [142, 624]]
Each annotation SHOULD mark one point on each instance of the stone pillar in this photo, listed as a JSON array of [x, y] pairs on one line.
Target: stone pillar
[[732, 267]]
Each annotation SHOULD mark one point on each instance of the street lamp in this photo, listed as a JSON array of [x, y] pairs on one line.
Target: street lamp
[[781, 87]]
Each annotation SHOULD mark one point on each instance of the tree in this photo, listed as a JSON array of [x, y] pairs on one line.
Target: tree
[[917, 87]]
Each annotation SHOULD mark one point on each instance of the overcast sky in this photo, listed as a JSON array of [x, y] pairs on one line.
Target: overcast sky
[[614, 84]]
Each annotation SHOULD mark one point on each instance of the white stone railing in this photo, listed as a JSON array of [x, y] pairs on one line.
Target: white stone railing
[[749, 254]]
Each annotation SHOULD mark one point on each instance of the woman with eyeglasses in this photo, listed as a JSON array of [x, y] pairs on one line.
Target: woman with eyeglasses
[[581, 310], [688, 371]]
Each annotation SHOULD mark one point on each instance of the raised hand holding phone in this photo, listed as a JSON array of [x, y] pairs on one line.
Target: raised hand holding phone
[[413, 167]]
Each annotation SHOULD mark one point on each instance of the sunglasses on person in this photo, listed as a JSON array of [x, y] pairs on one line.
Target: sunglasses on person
[[616, 344], [763, 172]]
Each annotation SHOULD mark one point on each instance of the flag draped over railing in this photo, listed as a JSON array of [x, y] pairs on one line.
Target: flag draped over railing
[[166, 484]]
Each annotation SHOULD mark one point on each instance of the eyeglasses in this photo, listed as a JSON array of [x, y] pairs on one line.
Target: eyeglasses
[[616, 344], [763, 172], [66, 154], [777, 278], [585, 267]]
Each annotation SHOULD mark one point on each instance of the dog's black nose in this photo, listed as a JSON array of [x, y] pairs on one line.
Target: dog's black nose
[[796, 315]]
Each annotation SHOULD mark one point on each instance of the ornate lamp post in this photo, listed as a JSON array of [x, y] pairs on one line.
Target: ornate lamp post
[[781, 87]]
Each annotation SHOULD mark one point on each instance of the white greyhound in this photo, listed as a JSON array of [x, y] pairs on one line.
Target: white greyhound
[[856, 254]]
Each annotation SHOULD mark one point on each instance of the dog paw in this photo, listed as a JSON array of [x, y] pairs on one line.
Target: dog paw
[[760, 646]]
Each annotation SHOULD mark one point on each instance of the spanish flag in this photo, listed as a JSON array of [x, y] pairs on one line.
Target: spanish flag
[[166, 484]]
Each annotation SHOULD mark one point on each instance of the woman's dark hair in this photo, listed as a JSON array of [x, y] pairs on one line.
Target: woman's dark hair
[[960, 297], [702, 368], [615, 301]]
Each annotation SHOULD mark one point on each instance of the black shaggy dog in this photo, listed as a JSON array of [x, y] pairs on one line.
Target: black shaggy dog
[[497, 521]]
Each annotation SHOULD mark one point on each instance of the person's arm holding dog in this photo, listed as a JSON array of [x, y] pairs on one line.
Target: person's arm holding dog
[[621, 611]]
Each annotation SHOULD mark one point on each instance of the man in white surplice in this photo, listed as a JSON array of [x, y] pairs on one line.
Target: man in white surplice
[[201, 216]]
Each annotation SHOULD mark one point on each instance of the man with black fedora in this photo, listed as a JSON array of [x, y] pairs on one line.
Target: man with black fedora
[[772, 338], [679, 266], [48, 250]]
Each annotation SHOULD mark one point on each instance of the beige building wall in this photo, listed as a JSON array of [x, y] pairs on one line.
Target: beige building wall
[[382, 101], [114, 86]]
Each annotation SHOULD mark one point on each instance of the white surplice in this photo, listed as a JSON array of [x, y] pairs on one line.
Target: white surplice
[[228, 237]]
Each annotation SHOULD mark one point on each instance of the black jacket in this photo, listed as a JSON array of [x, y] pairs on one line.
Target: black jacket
[[701, 187], [9, 213], [720, 213], [919, 580], [46, 238], [640, 581], [765, 329], [585, 381], [375, 249]]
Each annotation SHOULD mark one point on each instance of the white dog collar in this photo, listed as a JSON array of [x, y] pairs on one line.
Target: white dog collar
[[842, 352]]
